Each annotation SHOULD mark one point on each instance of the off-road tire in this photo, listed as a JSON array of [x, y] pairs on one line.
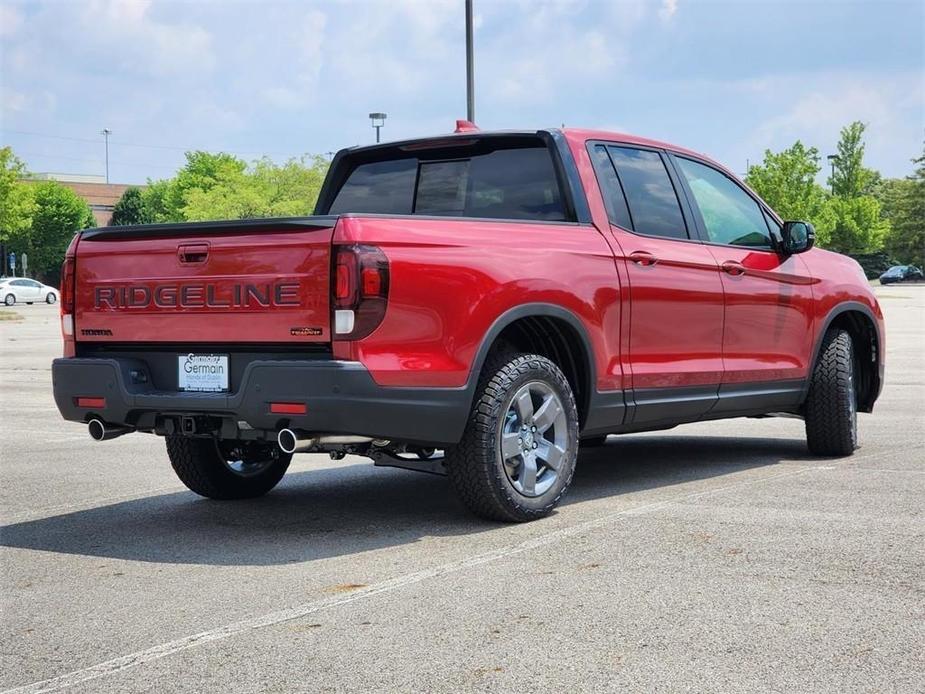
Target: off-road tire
[[831, 405], [475, 467], [202, 468]]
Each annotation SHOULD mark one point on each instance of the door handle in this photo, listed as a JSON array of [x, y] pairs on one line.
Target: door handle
[[643, 258], [193, 252], [733, 268]]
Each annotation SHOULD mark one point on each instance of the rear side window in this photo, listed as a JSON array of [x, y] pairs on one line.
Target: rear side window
[[731, 216], [517, 183], [653, 203]]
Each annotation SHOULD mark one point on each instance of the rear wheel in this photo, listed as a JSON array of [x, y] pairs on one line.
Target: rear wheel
[[517, 455], [227, 469], [50, 298], [9, 300], [831, 406]]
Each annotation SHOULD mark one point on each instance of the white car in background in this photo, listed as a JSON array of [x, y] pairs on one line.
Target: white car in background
[[24, 290]]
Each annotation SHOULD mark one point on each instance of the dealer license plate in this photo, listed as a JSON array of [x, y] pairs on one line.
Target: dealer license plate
[[203, 372]]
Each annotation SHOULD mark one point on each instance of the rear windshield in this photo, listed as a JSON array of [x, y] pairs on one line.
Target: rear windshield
[[516, 183]]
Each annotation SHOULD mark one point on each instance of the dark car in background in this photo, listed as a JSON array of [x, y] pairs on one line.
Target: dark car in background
[[902, 273]]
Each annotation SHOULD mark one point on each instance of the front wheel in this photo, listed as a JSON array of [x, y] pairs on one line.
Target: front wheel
[[831, 411], [517, 455], [227, 469], [9, 300]]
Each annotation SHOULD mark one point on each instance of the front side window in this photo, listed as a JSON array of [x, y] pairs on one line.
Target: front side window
[[612, 192], [653, 203], [730, 215]]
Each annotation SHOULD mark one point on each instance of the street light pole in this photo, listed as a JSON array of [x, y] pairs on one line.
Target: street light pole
[[378, 121], [470, 66], [106, 132]]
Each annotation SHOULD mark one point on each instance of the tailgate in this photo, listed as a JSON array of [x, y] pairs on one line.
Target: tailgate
[[219, 282]]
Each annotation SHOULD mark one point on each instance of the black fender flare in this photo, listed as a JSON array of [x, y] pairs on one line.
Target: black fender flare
[[538, 309], [834, 313]]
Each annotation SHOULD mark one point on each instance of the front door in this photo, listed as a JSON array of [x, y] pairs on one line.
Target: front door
[[767, 343]]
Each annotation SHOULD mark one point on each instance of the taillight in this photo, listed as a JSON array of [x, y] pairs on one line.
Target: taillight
[[67, 286], [361, 290], [66, 293]]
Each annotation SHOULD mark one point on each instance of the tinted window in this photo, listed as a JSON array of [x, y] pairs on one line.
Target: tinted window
[[653, 203], [385, 187], [614, 199], [518, 183], [514, 184], [731, 216], [442, 187]]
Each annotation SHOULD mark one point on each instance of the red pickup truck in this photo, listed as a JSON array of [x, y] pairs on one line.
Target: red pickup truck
[[477, 304]]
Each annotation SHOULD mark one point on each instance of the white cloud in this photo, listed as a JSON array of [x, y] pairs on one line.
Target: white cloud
[[129, 30], [820, 104], [668, 9], [10, 20]]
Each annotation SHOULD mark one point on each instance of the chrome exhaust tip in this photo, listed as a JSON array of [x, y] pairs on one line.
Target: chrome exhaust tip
[[100, 431], [290, 441]]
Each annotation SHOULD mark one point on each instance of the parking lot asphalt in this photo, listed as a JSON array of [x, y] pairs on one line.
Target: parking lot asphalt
[[713, 557]]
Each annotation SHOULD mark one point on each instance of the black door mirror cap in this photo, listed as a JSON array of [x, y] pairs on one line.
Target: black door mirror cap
[[797, 237]]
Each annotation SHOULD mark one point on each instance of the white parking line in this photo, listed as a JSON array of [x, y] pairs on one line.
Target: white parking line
[[115, 665]]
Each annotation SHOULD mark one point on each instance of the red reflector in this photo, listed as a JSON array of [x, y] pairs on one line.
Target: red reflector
[[372, 282], [90, 402], [288, 408], [342, 290]]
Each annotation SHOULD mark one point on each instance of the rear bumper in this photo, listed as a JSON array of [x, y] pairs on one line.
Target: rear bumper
[[340, 397]]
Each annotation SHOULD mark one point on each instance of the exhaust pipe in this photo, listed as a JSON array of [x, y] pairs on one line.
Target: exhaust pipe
[[100, 431], [291, 442]]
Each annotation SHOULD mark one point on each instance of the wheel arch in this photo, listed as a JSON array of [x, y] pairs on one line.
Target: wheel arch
[[861, 324], [552, 331]]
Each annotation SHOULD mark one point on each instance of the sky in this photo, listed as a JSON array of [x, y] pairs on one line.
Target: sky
[[729, 79]]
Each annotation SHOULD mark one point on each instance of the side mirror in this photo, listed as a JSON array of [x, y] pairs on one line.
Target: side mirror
[[798, 237]]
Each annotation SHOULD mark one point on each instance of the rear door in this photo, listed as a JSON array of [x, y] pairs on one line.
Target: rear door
[[676, 295], [768, 332]]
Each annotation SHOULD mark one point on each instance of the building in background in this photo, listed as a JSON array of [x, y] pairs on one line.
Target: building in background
[[101, 196]]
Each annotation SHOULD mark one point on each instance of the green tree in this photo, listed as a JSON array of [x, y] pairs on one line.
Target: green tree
[[904, 206], [17, 203], [59, 213], [850, 178], [130, 209], [154, 198], [858, 225], [787, 182], [263, 190], [202, 172], [292, 188]]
